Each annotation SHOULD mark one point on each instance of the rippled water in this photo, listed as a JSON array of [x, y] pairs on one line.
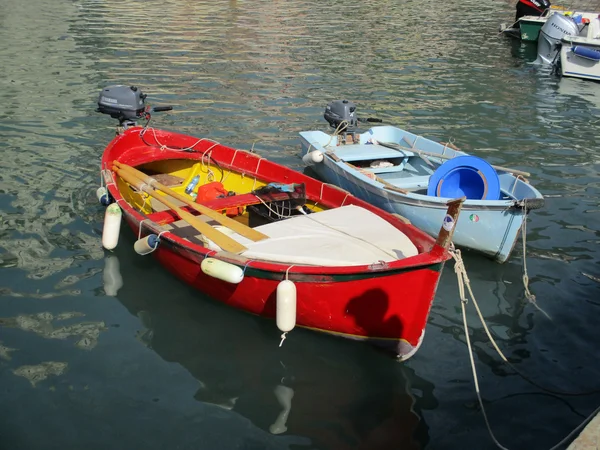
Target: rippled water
[[159, 365]]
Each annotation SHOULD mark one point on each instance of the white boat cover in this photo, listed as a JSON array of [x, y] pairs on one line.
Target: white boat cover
[[345, 236]]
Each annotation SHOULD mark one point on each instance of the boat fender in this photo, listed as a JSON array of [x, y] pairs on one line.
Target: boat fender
[[286, 306], [112, 226], [586, 52], [222, 270], [311, 158], [146, 245], [102, 195], [113, 281]]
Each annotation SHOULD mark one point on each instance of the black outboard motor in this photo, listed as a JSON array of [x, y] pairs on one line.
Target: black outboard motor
[[531, 8], [122, 102], [340, 115], [127, 104]]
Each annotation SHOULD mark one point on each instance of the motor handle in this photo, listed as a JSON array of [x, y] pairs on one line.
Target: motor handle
[[162, 108]]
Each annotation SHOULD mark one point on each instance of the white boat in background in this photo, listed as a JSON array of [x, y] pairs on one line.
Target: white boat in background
[[580, 55], [571, 44]]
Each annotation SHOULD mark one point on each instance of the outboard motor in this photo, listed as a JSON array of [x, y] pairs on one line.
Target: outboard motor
[[341, 115], [549, 41], [122, 102], [127, 104]]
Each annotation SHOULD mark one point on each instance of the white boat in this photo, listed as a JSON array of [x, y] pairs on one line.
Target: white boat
[[571, 43], [413, 176], [580, 55]]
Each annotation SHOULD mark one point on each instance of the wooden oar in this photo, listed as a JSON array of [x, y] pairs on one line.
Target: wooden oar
[[222, 240], [240, 228], [439, 155]]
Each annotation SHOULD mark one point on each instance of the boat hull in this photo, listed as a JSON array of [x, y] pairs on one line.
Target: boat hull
[[530, 28], [388, 309], [577, 65], [491, 231]]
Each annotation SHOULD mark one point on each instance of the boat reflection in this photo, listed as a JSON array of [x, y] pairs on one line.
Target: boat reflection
[[338, 393]]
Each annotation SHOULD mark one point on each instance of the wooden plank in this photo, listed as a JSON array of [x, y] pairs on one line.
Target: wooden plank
[[238, 227], [221, 239]]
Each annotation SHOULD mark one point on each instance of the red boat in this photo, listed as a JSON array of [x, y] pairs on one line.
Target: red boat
[[266, 239]]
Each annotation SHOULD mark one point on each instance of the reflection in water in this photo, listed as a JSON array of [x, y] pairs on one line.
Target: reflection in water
[[284, 396], [5, 352], [43, 325], [575, 89], [359, 399], [113, 281], [40, 372]]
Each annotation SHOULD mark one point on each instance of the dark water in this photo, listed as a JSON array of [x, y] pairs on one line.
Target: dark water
[[159, 365]]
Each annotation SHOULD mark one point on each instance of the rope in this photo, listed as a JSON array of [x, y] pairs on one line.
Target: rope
[[528, 295], [310, 217], [140, 229], [281, 216], [283, 336], [463, 279], [461, 275], [164, 146], [343, 124], [287, 272]]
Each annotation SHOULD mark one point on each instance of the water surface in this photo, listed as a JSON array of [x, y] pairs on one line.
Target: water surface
[[158, 365]]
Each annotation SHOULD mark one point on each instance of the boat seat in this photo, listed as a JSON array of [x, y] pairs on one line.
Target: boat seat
[[409, 182], [344, 236], [364, 152]]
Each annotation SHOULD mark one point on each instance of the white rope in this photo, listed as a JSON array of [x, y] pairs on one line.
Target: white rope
[[140, 229], [282, 338], [309, 216], [337, 132], [164, 146], [528, 295], [281, 216], [287, 272], [463, 280]]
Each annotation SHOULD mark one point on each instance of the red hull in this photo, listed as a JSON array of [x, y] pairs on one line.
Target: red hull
[[387, 304]]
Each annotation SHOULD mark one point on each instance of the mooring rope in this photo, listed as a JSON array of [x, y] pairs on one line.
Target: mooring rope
[[528, 295], [463, 280]]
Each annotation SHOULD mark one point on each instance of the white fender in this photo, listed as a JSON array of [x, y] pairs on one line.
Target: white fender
[[222, 270], [146, 245], [286, 306], [112, 226], [102, 195], [311, 158]]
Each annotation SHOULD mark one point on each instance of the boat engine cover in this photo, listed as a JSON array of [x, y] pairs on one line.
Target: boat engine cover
[[556, 27], [122, 102], [342, 114]]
